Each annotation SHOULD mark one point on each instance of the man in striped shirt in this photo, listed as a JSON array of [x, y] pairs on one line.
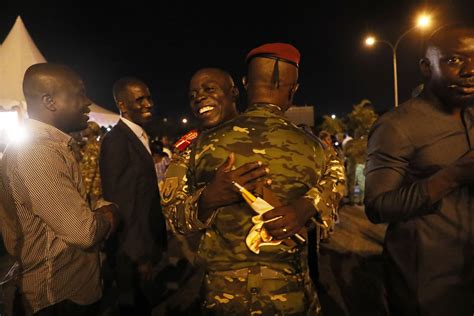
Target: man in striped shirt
[[57, 235]]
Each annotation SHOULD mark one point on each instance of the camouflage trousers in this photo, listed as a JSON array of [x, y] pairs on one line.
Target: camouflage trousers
[[259, 290]]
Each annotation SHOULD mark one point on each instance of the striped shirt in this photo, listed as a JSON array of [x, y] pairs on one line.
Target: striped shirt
[[50, 229]]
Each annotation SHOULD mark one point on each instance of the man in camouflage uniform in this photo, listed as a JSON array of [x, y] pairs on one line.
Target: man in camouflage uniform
[[238, 281], [216, 89], [325, 137], [213, 97]]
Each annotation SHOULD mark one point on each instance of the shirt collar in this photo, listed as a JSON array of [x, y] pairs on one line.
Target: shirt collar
[[136, 129], [266, 109], [42, 130]]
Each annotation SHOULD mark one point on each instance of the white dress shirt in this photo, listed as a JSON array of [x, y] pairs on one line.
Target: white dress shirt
[[139, 131]]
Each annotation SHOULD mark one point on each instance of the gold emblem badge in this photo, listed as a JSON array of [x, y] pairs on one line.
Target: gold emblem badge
[[169, 189]]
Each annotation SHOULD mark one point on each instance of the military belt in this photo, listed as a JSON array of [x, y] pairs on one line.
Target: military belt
[[255, 276], [263, 271]]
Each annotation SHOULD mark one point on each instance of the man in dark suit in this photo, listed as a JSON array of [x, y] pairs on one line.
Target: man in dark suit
[[129, 180]]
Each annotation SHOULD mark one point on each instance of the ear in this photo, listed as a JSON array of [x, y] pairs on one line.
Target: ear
[[122, 107], [48, 102], [293, 90], [296, 87], [245, 82], [425, 68]]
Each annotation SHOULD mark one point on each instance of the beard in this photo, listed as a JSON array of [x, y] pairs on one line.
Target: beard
[[452, 95]]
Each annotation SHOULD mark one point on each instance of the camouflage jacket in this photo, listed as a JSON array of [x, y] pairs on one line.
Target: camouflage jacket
[[299, 167], [89, 165]]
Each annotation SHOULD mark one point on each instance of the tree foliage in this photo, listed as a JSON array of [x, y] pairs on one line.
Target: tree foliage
[[333, 126], [361, 119]]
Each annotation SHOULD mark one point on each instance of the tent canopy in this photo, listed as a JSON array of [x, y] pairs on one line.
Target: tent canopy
[[102, 116], [17, 53]]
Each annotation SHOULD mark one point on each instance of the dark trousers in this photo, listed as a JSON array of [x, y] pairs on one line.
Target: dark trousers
[[313, 256], [68, 308], [124, 293]]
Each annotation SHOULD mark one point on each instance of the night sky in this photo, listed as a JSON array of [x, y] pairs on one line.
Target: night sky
[[165, 45]]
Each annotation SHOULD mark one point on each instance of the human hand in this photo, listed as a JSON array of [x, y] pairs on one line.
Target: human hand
[[449, 178], [221, 191], [110, 214], [462, 169], [285, 221]]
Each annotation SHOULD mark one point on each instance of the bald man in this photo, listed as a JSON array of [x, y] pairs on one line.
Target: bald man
[[420, 176], [213, 96], [43, 190]]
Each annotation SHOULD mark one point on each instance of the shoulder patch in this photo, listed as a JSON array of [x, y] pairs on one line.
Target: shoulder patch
[[186, 140], [169, 189]]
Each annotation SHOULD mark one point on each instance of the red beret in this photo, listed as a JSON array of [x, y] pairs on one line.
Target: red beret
[[281, 51]]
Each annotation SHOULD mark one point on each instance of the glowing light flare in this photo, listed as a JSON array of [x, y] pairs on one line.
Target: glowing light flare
[[8, 120], [369, 40], [423, 21], [17, 134], [10, 128]]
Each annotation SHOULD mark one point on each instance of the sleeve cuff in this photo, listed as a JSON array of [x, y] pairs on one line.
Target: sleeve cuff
[[101, 203], [194, 221]]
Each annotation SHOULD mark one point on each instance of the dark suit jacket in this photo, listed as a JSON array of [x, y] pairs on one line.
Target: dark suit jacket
[[129, 180]]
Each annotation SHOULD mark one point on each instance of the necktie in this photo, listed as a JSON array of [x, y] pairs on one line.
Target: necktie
[[146, 141]]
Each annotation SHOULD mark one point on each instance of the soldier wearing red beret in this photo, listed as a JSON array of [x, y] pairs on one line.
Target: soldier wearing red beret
[[267, 279]]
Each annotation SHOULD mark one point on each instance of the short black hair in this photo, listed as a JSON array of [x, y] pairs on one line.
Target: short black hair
[[446, 28], [121, 85]]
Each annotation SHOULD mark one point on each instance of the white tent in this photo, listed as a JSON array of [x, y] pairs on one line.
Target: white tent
[[17, 53], [102, 116]]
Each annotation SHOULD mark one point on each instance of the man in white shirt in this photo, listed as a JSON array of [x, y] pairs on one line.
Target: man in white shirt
[[129, 180]]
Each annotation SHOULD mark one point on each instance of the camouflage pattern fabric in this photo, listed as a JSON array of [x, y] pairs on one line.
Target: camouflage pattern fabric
[[259, 291], [89, 165], [327, 194], [332, 191], [298, 164], [179, 197]]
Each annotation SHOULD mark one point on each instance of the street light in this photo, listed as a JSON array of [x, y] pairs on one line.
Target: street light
[[423, 22], [370, 40]]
